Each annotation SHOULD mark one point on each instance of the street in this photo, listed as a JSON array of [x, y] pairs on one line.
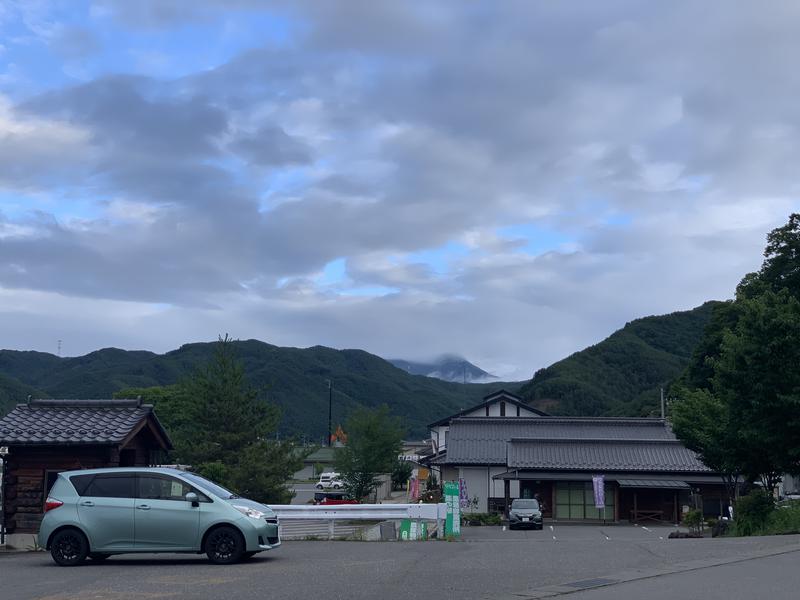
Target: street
[[487, 563]]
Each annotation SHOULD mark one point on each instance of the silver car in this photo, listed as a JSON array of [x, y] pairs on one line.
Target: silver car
[[525, 513], [101, 512]]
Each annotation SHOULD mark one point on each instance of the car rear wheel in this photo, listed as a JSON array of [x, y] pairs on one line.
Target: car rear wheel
[[224, 546], [69, 547], [319, 486]]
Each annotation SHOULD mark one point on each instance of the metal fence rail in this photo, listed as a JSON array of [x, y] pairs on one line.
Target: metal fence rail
[[355, 512]]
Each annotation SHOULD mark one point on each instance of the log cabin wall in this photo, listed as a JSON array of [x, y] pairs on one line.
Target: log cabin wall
[[26, 478]]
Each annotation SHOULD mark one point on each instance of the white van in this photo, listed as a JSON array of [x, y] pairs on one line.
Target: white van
[[329, 481]]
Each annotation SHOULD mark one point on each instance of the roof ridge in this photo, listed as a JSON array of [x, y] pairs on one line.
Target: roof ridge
[[604, 440], [85, 403]]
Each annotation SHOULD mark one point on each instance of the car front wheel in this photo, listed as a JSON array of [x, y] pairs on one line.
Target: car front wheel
[[69, 547], [224, 546]]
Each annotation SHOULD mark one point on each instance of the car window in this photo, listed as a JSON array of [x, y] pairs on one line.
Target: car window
[[159, 487], [111, 485], [525, 504], [80, 483]]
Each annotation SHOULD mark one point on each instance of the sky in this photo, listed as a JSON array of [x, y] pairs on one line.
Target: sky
[[509, 181]]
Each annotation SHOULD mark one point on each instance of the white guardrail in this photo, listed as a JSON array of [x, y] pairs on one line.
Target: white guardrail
[[361, 512]]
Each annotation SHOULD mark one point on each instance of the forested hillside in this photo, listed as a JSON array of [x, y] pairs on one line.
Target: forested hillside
[[622, 375], [294, 378]]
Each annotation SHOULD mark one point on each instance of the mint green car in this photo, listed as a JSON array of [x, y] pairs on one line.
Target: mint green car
[[100, 512]]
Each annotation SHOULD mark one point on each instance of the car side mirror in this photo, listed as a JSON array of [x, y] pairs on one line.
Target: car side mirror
[[192, 497]]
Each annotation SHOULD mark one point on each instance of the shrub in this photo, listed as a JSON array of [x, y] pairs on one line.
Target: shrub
[[483, 519], [693, 520], [752, 512]]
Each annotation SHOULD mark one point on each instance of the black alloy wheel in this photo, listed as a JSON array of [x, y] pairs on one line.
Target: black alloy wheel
[[224, 546], [69, 547]]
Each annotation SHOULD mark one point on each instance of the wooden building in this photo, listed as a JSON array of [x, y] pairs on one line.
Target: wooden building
[[45, 437], [648, 474]]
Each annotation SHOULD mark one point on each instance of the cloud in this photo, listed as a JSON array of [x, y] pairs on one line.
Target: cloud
[[507, 181]]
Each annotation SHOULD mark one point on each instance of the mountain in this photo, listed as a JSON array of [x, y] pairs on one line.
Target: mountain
[[294, 378], [623, 374], [448, 368]]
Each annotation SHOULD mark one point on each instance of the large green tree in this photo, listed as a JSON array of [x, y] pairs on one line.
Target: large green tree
[[738, 400], [221, 426], [374, 441]]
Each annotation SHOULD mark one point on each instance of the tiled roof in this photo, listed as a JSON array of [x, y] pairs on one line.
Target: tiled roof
[[606, 455], [73, 422], [476, 440]]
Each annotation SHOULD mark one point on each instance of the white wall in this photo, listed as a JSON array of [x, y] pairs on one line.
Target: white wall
[[477, 486], [439, 435]]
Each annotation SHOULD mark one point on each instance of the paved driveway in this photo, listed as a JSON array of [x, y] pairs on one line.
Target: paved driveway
[[488, 563]]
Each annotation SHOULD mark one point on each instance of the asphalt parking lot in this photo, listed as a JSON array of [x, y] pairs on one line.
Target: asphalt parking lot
[[487, 563]]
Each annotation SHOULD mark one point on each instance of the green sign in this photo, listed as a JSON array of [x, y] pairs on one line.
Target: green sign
[[413, 530], [452, 524]]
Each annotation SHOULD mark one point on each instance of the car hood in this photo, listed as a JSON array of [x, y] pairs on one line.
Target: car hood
[[251, 504]]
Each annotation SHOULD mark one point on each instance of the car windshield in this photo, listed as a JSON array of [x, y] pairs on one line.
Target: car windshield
[[210, 486], [525, 504]]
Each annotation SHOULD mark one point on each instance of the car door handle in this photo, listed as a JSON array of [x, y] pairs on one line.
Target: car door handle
[[143, 507], [87, 503]]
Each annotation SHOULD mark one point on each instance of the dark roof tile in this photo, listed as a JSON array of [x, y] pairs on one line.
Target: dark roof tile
[[73, 422]]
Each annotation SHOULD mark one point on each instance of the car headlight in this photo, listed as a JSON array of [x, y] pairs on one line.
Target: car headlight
[[249, 512]]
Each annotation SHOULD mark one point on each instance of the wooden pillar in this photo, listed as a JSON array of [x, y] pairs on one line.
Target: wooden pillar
[[507, 493], [677, 520]]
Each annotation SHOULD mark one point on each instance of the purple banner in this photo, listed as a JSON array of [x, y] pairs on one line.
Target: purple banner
[[598, 483], [463, 499]]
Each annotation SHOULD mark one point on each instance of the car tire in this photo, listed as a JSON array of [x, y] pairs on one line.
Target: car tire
[[69, 547], [336, 486], [319, 486], [224, 546], [98, 557]]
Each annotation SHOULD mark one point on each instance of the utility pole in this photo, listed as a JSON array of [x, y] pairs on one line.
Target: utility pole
[[663, 409], [330, 411]]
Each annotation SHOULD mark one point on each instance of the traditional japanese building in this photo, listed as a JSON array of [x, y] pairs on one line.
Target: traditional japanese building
[[45, 437], [647, 473]]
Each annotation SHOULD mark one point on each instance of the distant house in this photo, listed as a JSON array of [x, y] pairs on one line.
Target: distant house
[[45, 437], [323, 457], [648, 473]]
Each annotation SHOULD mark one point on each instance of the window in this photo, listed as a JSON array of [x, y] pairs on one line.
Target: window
[[502, 409], [155, 487], [80, 483], [112, 485], [517, 410], [575, 500], [487, 410]]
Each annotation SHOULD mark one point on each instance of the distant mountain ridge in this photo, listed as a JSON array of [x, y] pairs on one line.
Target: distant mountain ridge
[[623, 374], [294, 378], [449, 367], [618, 376]]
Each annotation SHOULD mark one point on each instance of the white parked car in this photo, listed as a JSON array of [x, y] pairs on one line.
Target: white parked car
[[329, 481]]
